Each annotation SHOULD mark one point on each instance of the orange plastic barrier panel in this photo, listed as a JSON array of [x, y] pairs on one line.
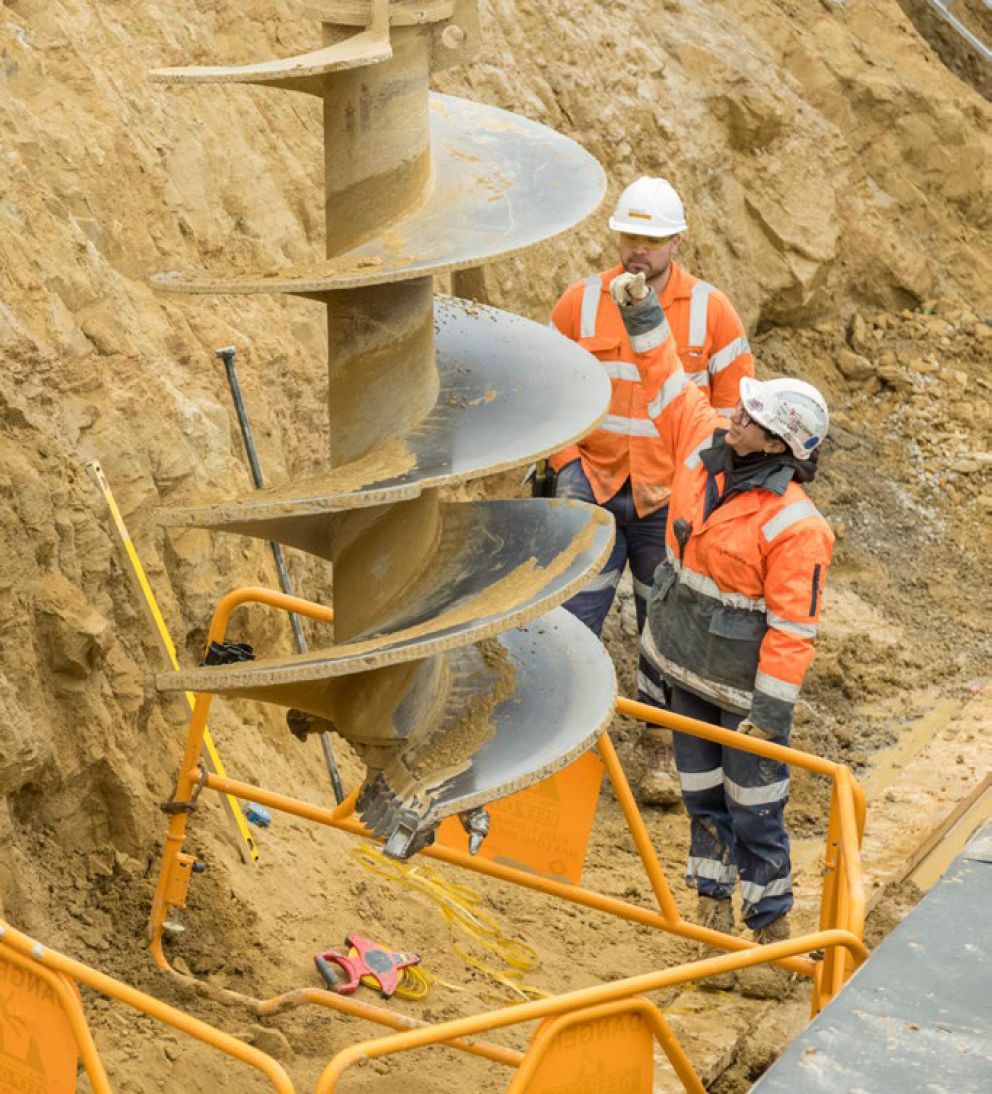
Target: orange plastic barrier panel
[[543, 829], [610, 1053], [37, 1047]]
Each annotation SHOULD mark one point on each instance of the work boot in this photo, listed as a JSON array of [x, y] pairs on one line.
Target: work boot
[[767, 981], [718, 915], [659, 784]]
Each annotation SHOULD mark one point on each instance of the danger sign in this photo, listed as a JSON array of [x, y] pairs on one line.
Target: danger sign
[[37, 1049], [543, 829]]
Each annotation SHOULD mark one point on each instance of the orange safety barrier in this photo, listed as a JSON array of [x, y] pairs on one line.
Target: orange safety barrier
[[590, 997], [605, 1040], [62, 973], [545, 827], [43, 1029], [842, 902]]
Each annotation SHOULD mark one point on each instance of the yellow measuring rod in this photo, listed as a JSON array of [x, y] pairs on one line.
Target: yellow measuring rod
[[211, 757]]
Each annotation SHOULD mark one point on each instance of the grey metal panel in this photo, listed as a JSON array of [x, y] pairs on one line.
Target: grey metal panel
[[979, 848], [501, 184], [918, 1015]]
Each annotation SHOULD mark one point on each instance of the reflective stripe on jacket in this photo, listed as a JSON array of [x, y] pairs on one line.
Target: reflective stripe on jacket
[[713, 347], [732, 616], [626, 443]]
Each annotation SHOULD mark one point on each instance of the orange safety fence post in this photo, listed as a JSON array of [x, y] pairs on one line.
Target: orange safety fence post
[[823, 982], [852, 828], [843, 903], [176, 868], [639, 832], [569, 1001], [43, 960], [851, 844]]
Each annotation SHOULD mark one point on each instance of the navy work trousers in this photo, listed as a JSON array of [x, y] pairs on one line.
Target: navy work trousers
[[640, 541], [736, 804]]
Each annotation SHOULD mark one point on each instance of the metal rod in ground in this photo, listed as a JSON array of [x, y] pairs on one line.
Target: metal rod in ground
[[227, 356]]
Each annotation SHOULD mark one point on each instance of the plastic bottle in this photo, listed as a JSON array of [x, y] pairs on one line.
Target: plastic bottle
[[257, 815]]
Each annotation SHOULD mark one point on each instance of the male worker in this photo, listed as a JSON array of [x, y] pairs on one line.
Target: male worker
[[731, 619], [621, 465]]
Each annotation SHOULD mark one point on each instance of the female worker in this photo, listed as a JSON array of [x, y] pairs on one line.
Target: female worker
[[731, 620]]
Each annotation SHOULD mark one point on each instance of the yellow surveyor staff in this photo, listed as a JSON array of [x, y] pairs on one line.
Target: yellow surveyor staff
[[461, 907], [246, 842]]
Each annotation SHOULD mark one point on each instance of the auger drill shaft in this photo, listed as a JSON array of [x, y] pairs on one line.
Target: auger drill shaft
[[432, 675]]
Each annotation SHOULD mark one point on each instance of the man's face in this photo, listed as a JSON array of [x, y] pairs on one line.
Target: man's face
[[647, 254]]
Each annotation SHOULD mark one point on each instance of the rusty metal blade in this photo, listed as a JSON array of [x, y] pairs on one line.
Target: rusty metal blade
[[501, 184], [498, 564], [511, 392]]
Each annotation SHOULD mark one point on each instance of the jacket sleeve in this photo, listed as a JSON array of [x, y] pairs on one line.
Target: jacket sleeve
[[799, 544], [730, 356], [565, 320], [679, 411]]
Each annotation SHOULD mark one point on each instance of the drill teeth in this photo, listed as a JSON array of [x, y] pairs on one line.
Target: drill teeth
[[374, 804], [395, 819]]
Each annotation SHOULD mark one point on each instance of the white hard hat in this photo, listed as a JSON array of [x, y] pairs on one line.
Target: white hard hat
[[649, 207], [791, 409]]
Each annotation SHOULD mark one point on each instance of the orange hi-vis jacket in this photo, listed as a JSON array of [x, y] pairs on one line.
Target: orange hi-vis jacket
[[713, 347], [733, 611], [625, 445]]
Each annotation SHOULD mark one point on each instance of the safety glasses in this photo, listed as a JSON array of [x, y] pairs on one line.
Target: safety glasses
[[649, 243]]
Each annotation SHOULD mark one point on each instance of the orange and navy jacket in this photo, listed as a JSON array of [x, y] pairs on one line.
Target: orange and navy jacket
[[625, 445], [733, 611], [704, 331], [713, 347]]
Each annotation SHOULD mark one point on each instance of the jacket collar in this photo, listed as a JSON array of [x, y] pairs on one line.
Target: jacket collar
[[679, 285], [772, 476]]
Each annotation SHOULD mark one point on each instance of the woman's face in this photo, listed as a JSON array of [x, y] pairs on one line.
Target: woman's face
[[746, 436]]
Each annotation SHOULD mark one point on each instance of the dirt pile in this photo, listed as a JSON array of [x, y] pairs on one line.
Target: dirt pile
[[835, 175]]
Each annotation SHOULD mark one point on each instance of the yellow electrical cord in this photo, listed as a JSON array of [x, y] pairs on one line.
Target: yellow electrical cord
[[414, 982], [462, 908]]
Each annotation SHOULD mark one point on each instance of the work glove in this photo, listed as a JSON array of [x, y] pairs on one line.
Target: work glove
[[749, 728], [628, 288], [640, 311]]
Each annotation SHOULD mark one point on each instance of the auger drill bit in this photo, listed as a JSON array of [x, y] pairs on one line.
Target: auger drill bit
[[446, 673]]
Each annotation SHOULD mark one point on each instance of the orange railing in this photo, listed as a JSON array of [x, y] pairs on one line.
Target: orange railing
[[831, 954], [842, 903], [60, 973], [579, 1001]]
